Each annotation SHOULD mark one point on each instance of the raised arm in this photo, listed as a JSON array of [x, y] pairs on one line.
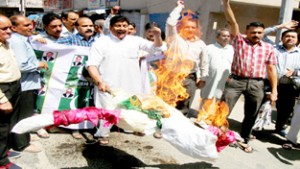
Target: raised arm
[[234, 27], [172, 20]]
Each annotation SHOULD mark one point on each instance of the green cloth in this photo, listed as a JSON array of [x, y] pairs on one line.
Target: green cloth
[[133, 103]]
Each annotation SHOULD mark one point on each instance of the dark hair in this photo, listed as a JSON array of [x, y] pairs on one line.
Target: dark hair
[[77, 22], [288, 31], [132, 24], [255, 24], [49, 17], [65, 14], [118, 18], [149, 25], [14, 19], [218, 33], [96, 16]]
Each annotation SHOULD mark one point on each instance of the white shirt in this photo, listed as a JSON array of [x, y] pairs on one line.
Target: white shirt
[[220, 59], [118, 63], [66, 33]]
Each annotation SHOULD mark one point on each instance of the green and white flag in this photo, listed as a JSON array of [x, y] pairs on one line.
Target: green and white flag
[[64, 86]]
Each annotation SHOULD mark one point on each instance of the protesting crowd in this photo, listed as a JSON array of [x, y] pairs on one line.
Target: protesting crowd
[[237, 64]]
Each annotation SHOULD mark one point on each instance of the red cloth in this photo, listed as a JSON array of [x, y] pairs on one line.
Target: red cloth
[[92, 114], [223, 139]]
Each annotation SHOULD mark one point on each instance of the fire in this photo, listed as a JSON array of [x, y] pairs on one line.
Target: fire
[[214, 113], [170, 74]]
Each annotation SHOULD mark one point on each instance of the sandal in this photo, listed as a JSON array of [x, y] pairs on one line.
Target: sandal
[[289, 145], [245, 147], [42, 133], [103, 140], [77, 135], [157, 135]]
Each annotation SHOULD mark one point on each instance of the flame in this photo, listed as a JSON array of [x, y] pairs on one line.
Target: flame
[[170, 74], [214, 113]]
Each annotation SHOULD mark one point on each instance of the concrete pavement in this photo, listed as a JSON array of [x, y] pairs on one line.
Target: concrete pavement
[[129, 151]]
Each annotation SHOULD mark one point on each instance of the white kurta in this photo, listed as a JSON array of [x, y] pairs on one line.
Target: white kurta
[[220, 60], [118, 63]]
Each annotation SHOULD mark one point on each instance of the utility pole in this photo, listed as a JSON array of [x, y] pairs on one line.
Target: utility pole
[[22, 8], [286, 12]]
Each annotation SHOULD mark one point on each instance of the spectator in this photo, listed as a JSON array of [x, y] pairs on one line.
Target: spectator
[[69, 19], [30, 77], [220, 55], [10, 89], [288, 60]]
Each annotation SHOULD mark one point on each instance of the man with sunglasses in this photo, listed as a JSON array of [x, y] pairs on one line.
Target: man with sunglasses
[[183, 33], [10, 89], [253, 60]]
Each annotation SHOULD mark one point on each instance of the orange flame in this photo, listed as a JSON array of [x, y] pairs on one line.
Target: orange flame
[[170, 74], [214, 113]]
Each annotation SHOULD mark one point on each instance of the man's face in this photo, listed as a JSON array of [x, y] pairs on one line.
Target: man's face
[[24, 26], [5, 31], [119, 29], [54, 28], [49, 55], [189, 29], [70, 21], [223, 38], [131, 30], [69, 91], [78, 59], [254, 34], [85, 27], [149, 35], [290, 39]]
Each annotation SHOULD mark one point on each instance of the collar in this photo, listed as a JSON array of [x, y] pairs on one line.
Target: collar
[[83, 39], [220, 46], [114, 38], [296, 49], [22, 37]]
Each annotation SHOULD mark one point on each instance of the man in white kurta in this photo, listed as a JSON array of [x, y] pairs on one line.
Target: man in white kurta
[[220, 55], [114, 64]]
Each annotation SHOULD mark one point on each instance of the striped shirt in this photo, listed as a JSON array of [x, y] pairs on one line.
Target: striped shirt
[[286, 59], [76, 40], [250, 61]]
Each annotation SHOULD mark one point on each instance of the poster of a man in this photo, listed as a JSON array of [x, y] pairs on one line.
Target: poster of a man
[[68, 93], [77, 61], [48, 57]]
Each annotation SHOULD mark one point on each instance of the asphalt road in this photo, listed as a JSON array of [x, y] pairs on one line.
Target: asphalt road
[[129, 151]]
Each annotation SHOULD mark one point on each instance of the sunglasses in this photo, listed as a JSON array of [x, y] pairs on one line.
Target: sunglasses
[[189, 14], [5, 28]]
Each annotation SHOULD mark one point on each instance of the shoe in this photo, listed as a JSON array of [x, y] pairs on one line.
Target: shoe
[[42, 133], [281, 132], [32, 149], [77, 135], [10, 166], [13, 154], [289, 145]]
